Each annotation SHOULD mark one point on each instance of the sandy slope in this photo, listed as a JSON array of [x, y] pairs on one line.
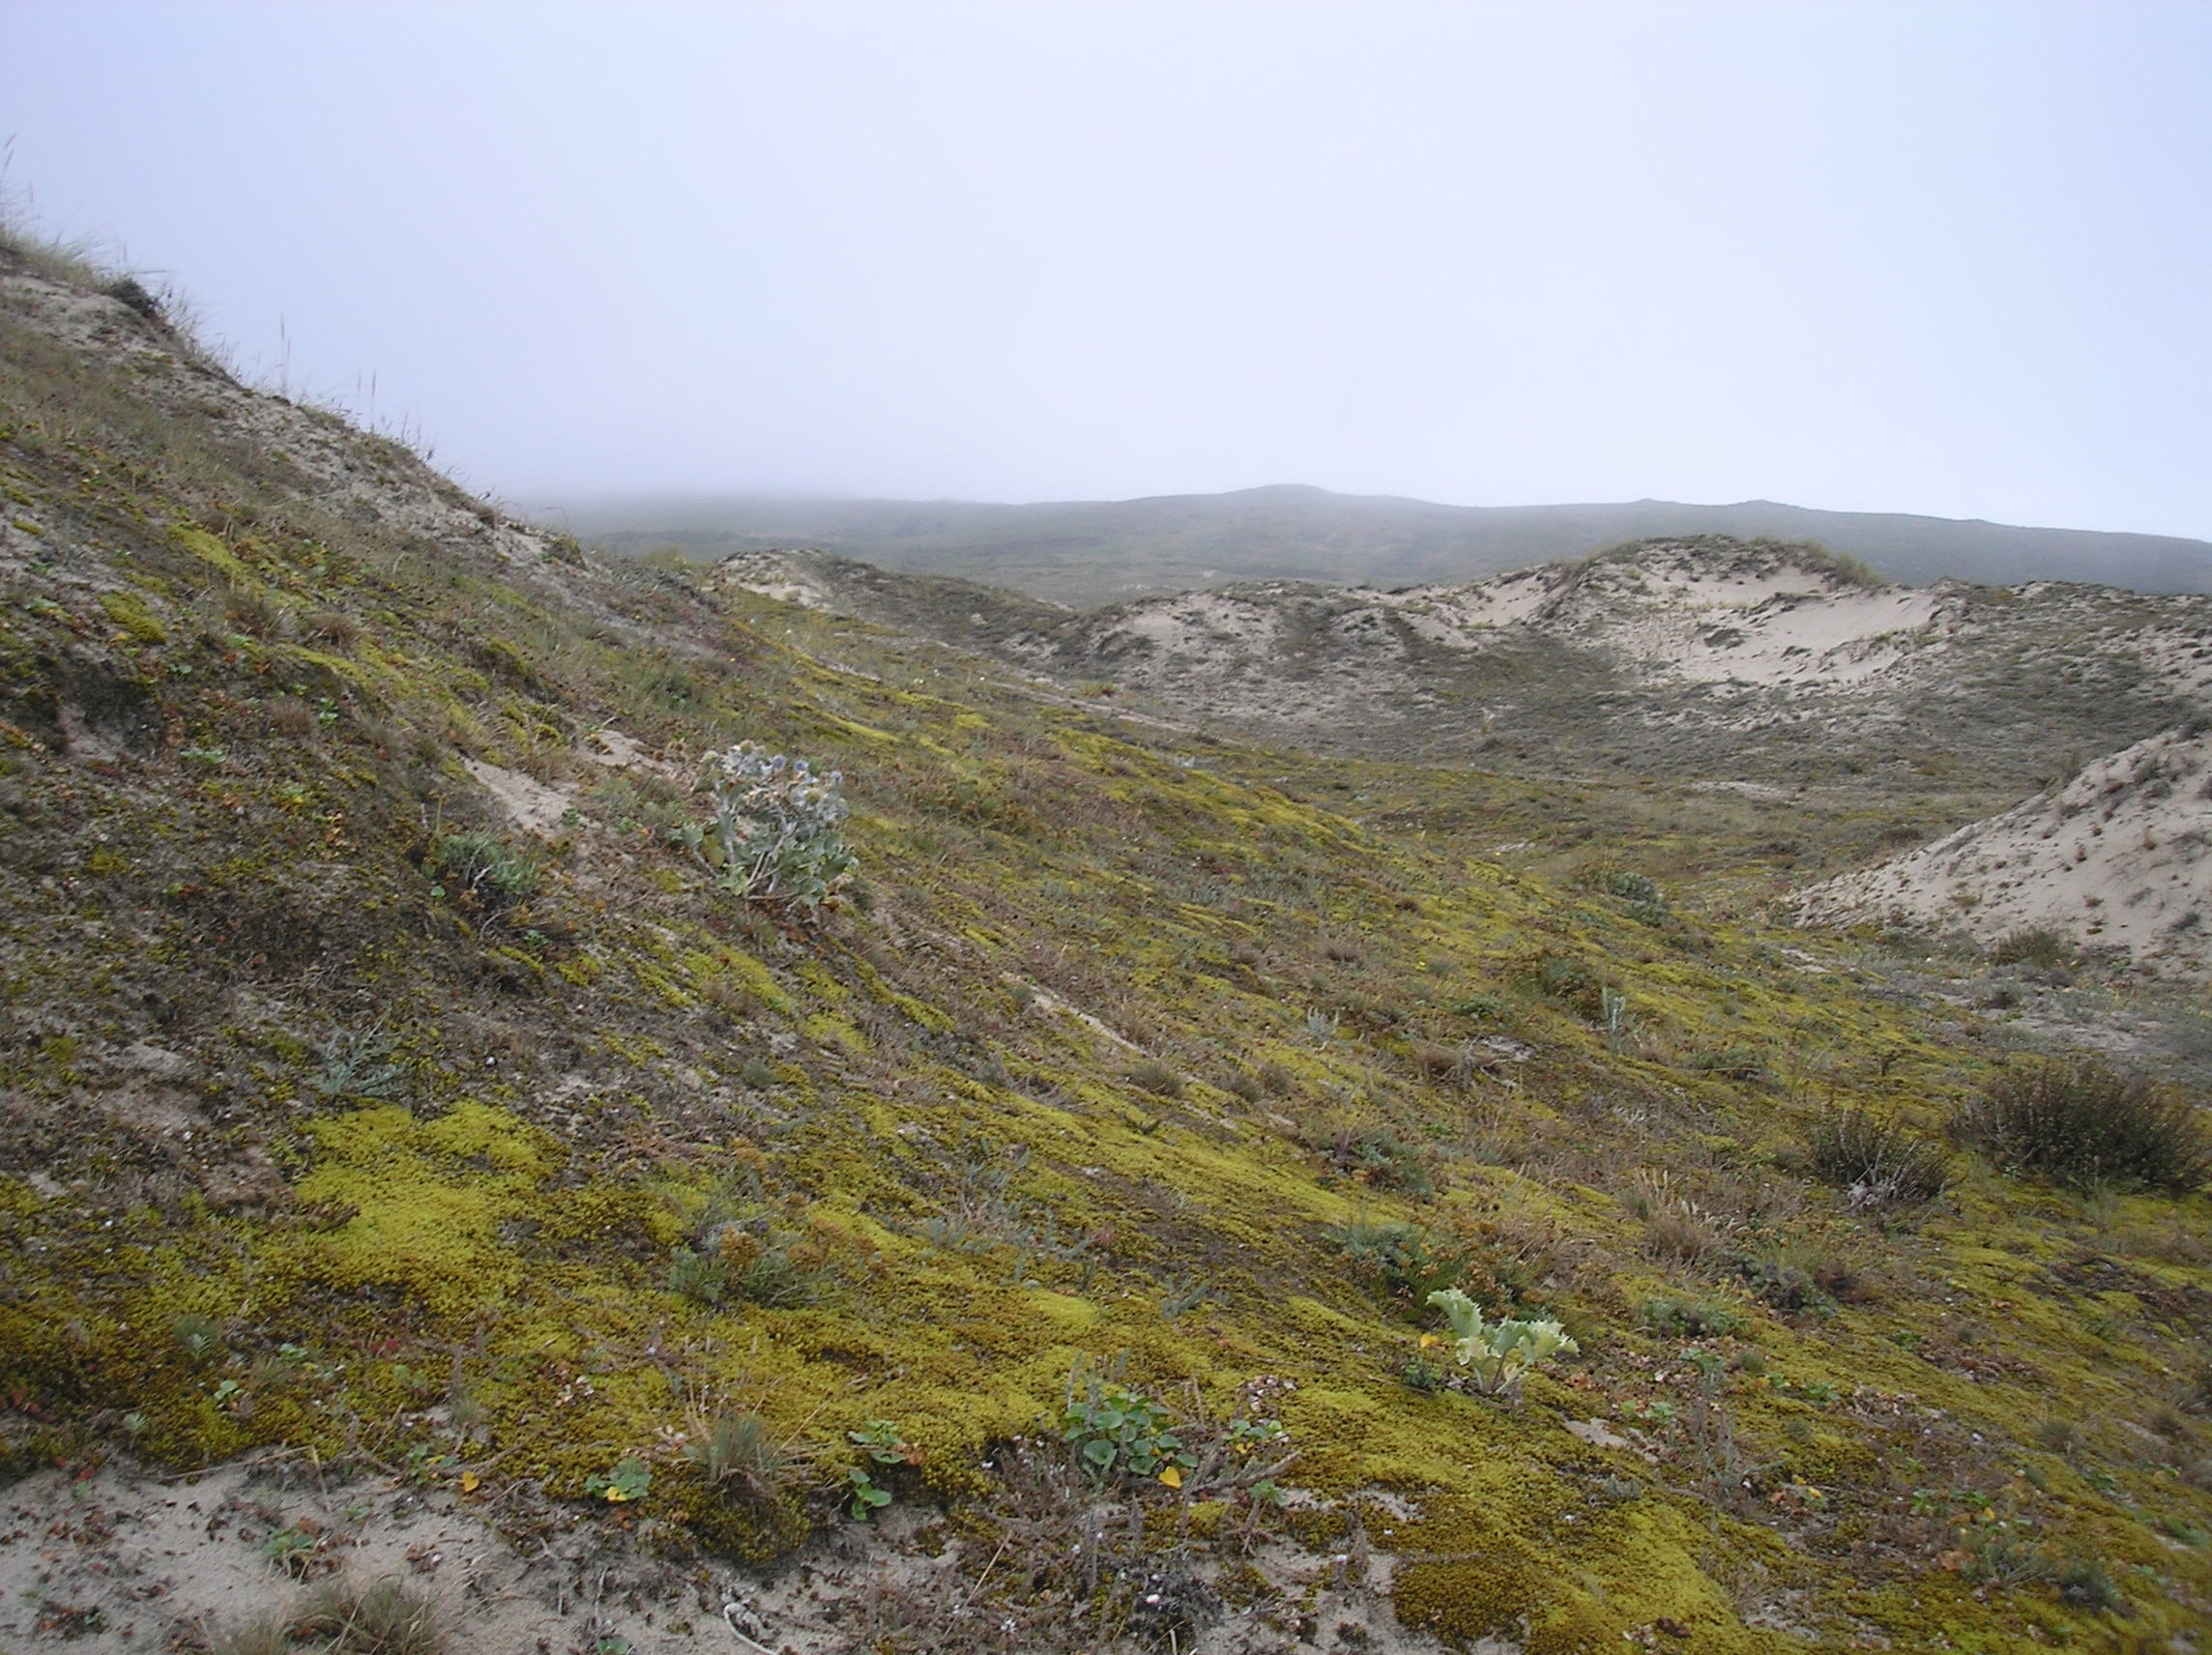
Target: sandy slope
[[124, 1560], [374, 480], [2116, 857], [1691, 610]]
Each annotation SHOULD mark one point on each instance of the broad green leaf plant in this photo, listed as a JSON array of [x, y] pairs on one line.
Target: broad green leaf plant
[[1498, 1354]]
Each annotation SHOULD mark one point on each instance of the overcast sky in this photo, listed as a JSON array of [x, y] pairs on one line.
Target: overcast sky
[[1927, 257]]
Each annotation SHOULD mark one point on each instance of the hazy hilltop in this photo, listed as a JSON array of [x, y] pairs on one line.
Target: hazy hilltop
[[1085, 553]]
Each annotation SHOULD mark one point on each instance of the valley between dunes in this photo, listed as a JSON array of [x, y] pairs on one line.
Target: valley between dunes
[[429, 1190]]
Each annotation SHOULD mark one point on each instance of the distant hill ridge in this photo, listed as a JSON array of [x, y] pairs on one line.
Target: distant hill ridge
[[1086, 553], [1691, 656]]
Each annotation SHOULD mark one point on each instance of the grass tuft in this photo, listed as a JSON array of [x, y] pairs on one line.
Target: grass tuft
[[479, 870], [1876, 1162], [383, 1618], [737, 1449], [268, 1636], [1155, 1078]]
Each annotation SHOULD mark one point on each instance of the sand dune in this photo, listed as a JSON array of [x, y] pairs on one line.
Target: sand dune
[[2117, 857]]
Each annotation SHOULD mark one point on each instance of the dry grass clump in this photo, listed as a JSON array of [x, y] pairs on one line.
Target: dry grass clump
[[269, 1636], [1745, 1064], [383, 1618], [254, 613], [1155, 1078], [73, 262], [2085, 1125], [334, 627], [2058, 1433], [1876, 1162], [289, 715], [1681, 1233], [1444, 1065], [1677, 1227]]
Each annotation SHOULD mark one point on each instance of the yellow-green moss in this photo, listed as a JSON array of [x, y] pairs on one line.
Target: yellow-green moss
[[427, 1200], [129, 612]]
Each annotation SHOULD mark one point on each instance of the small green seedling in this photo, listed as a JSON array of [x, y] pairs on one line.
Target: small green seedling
[[1118, 1431], [627, 1479], [883, 1445], [866, 1497], [290, 1550]]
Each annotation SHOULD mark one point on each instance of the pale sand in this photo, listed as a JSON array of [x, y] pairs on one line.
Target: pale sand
[[2116, 857]]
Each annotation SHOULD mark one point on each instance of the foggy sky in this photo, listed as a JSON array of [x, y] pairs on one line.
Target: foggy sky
[[1941, 258]]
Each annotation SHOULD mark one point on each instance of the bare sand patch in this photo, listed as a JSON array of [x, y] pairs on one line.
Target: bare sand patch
[[121, 1559], [530, 805]]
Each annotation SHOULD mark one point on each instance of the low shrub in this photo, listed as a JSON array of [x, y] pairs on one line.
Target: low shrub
[[1573, 983], [1479, 1007], [773, 1268], [1876, 1162], [1736, 1063], [2031, 946], [1786, 1281], [1690, 1318], [2085, 1125], [1405, 1261], [130, 291], [746, 1252], [1382, 1159], [1632, 887]]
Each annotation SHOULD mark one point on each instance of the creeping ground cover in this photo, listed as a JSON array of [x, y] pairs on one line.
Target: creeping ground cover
[[607, 1046]]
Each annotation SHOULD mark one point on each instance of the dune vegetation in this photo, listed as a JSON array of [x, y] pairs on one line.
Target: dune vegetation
[[390, 1072]]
